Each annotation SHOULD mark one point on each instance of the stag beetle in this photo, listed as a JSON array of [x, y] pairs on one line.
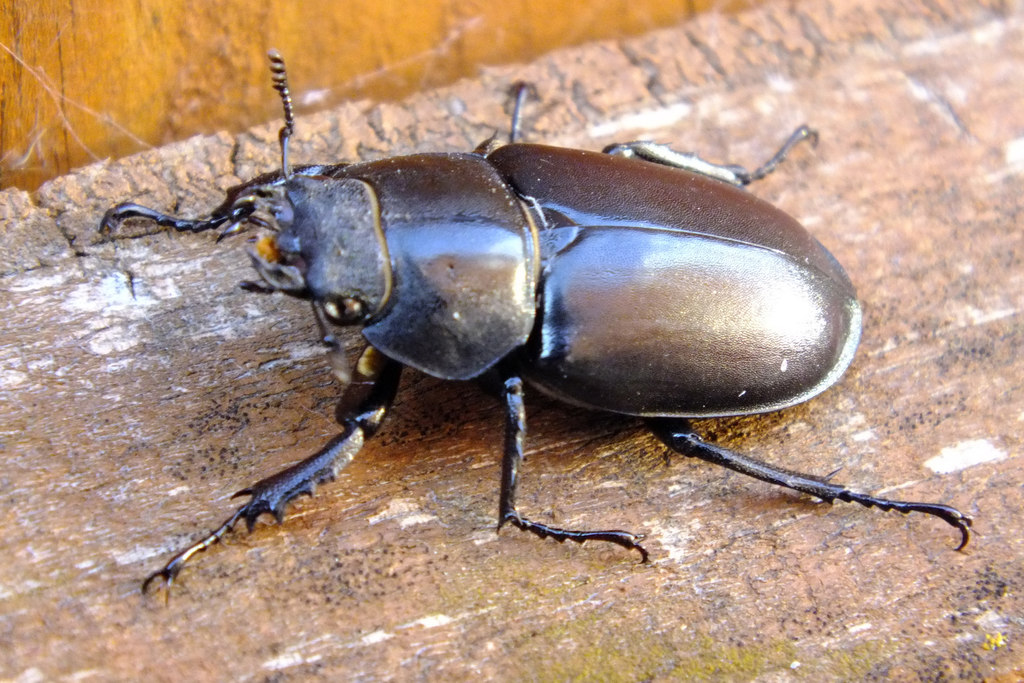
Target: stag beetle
[[639, 281]]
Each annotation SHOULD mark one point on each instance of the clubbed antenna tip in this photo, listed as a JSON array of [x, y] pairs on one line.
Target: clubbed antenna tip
[[279, 77]]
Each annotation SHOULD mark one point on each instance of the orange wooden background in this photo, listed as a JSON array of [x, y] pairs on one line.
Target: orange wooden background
[[82, 80]]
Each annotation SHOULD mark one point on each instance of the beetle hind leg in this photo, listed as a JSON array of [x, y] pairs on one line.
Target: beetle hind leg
[[729, 173], [515, 433], [677, 435], [274, 493]]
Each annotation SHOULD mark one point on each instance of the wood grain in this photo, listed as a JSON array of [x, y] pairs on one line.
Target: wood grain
[[142, 388], [80, 82]]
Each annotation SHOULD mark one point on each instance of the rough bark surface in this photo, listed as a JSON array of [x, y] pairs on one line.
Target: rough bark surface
[[141, 388]]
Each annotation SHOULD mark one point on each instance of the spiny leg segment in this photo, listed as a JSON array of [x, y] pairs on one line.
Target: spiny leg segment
[[275, 492], [515, 435], [677, 435]]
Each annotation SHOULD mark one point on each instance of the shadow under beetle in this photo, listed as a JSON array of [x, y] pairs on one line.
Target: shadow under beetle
[[640, 281]]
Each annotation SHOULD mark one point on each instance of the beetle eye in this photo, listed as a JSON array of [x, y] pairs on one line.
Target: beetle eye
[[345, 311]]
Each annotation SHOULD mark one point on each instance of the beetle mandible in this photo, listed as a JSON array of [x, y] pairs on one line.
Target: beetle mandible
[[639, 281]]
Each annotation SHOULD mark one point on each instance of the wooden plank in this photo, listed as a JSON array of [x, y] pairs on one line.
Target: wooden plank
[[79, 83], [142, 388]]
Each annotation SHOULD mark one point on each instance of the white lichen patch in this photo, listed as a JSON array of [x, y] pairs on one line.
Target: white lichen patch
[[108, 294], [1013, 158], [430, 621], [45, 279], [963, 455], [137, 554], [646, 120], [115, 295], [12, 378], [375, 637], [1014, 152], [114, 339], [404, 511], [980, 317], [865, 435], [676, 540]]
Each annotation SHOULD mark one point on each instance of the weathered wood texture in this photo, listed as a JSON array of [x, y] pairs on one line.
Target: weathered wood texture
[[142, 388], [79, 83]]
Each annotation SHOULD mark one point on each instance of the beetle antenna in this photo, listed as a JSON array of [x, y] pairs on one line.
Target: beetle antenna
[[280, 79]]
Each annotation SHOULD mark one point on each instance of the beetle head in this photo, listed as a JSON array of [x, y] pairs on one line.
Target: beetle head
[[322, 241]]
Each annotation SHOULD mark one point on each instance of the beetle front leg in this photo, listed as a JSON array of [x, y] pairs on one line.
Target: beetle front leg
[[275, 492], [677, 435], [515, 434], [729, 173]]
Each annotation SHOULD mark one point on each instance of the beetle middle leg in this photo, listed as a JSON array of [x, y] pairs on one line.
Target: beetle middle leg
[[359, 422], [677, 435], [729, 173], [515, 435]]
